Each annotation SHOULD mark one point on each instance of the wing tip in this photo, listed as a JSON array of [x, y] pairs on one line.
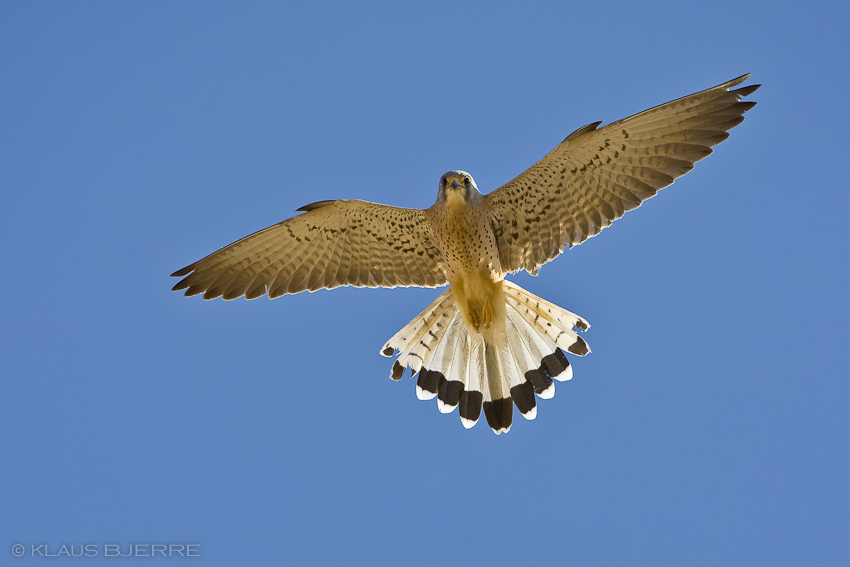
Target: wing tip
[[747, 91], [738, 80], [743, 91], [184, 271]]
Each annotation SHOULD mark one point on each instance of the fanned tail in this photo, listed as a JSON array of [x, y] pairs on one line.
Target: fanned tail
[[494, 370]]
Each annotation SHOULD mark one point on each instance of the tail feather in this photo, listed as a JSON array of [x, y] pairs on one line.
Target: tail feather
[[498, 406], [557, 323], [473, 395], [455, 367], [419, 336], [523, 391], [448, 395], [539, 346], [465, 370]]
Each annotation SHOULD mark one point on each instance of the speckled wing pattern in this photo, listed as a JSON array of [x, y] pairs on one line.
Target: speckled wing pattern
[[334, 243], [595, 175]]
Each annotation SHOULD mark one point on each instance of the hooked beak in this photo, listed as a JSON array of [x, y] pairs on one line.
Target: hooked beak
[[454, 182]]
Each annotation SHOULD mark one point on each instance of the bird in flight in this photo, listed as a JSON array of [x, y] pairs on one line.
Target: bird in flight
[[484, 342]]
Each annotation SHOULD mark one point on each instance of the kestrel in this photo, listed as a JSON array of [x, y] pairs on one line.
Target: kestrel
[[484, 342]]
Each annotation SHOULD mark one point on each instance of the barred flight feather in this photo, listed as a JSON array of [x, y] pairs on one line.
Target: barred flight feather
[[464, 370]]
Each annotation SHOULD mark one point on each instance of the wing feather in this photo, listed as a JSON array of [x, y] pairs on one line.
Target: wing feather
[[597, 174], [333, 243]]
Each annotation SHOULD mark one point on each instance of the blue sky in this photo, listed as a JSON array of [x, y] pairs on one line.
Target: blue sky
[[708, 427]]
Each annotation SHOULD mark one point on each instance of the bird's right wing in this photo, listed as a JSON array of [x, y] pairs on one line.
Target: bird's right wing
[[333, 243]]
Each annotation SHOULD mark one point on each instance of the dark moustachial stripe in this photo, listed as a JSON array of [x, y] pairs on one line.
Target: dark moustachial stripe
[[469, 404], [499, 413], [523, 396]]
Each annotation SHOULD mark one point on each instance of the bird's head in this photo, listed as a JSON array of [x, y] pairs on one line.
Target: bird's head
[[457, 188]]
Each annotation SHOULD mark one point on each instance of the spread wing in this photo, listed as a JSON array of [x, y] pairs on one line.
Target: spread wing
[[596, 175], [333, 243]]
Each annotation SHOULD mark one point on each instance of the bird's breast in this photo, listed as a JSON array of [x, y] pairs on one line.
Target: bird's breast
[[467, 242]]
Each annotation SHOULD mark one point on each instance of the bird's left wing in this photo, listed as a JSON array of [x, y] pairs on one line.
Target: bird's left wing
[[333, 243], [596, 175]]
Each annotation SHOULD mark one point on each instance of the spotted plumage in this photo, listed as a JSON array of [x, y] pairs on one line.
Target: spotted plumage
[[485, 343]]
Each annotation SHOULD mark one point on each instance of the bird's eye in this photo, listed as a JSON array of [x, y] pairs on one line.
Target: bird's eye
[[466, 182], [443, 183]]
